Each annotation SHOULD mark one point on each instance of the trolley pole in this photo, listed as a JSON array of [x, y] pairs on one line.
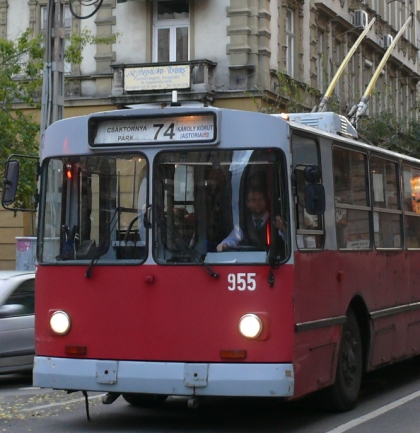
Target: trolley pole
[[358, 110], [325, 99], [53, 80]]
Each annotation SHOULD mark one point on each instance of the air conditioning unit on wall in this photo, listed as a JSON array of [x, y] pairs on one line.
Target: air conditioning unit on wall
[[388, 39], [360, 19]]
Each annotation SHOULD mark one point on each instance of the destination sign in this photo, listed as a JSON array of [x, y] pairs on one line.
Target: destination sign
[[178, 129]]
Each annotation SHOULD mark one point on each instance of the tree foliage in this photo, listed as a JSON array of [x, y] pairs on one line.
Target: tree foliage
[[21, 64], [388, 131], [78, 42], [21, 67], [291, 96]]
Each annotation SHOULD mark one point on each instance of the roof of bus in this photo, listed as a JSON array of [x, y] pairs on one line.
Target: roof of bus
[[77, 129], [353, 141]]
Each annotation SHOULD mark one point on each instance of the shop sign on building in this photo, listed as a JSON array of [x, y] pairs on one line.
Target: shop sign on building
[[150, 78]]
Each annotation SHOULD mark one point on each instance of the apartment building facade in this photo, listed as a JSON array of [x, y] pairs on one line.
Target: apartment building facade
[[227, 53]]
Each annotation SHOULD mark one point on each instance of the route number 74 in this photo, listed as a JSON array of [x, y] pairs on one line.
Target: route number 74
[[169, 132], [242, 281]]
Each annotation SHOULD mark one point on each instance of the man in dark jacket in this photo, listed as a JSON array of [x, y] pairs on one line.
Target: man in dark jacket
[[254, 231]]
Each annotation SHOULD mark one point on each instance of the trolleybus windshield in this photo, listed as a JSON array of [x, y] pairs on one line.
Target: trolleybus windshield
[[100, 202], [204, 198]]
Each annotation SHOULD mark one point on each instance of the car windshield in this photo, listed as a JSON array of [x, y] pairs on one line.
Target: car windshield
[[219, 206], [94, 208]]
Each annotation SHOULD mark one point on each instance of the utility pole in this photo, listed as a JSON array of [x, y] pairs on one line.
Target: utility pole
[[53, 80]]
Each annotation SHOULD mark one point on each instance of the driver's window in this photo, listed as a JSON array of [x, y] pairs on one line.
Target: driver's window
[[309, 230], [220, 206]]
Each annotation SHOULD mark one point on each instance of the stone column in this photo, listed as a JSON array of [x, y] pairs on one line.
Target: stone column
[[249, 51], [104, 56], [4, 4]]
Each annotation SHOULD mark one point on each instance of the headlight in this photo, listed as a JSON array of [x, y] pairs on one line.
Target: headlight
[[250, 326], [60, 322]]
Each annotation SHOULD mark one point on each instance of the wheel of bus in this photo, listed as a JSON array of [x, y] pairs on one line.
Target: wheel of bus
[[344, 393], [144, 400]]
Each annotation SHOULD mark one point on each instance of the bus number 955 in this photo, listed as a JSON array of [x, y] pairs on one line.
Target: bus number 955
[[242, 281]]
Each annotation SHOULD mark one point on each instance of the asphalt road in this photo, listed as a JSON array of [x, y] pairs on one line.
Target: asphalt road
[[389, 403]]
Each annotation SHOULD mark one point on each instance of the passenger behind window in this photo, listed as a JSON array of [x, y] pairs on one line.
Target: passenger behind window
[[253, 232]]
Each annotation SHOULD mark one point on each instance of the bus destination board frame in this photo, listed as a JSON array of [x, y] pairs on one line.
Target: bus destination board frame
[[160, 129]]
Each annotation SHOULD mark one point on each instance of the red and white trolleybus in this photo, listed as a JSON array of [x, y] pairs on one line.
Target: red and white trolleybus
[[150, 282]]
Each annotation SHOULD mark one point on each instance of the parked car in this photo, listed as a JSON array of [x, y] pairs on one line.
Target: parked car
[[17, 319]]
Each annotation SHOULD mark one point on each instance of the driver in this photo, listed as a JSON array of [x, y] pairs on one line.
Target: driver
[[254, 231]]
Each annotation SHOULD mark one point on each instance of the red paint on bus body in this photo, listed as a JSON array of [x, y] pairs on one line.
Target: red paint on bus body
[[382, 280], [182, 315], [165, 313]]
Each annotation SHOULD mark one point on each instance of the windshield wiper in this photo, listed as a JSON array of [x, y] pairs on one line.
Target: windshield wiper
[[104, 243], [101, 250], [185, 247]]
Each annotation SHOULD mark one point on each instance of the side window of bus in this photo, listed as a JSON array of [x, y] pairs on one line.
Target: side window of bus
[[310, 234], [411, 190], [351, 195], [387, 211]]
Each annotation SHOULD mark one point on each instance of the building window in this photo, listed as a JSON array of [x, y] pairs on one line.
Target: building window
[[418, 52], [352, 80], [338, 60], [403, 101], [393, 96], [171, 26], [378, 7], [401, 17], [320, 61], [379, 104], [390, 10], [367, 76], [412, 107], [290, 42], [67, 19]]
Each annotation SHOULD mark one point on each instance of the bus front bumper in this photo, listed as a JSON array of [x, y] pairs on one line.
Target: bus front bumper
[[169, 378]]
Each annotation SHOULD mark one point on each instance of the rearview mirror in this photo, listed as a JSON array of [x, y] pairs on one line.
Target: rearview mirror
[[312, 174], [315, 199], [10, 182], [11, 310], [20, 183]]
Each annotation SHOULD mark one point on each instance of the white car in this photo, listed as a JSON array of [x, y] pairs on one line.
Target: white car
[[17, 319]]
